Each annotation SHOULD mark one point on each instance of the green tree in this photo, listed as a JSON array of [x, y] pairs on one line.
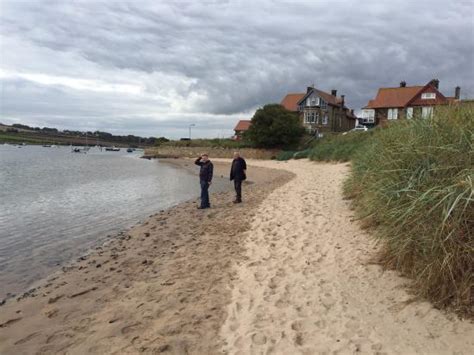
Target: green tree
[[273, 126]]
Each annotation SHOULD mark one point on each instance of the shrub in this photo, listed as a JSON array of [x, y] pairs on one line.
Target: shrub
[[302, 154], [285, 155], [274, 127], [414, 181]]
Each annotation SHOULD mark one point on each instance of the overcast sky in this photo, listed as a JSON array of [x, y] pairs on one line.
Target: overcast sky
[[153, 68]]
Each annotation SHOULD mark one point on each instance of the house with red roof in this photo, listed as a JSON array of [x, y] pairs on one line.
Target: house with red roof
[[406, 102], [320, 111], [241, 127]]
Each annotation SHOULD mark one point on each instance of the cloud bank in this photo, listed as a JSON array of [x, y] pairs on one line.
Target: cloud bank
[[152, 68]]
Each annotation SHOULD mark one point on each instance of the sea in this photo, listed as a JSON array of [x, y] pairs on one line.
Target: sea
[[56, 205]]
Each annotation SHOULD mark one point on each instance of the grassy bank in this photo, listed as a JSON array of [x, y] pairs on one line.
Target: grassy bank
[[210, 143], [414, 183], [340, 147]]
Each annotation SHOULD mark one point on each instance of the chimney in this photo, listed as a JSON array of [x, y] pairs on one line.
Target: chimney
[[342, 100], [334, 92], [435, 83], [457, 93], [352, 112], [403, 84]]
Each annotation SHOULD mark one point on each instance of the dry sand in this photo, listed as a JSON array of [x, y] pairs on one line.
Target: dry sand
[[308, 286], [287, 272]]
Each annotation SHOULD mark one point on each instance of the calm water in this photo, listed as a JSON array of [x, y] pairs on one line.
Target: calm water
[[55, 205]]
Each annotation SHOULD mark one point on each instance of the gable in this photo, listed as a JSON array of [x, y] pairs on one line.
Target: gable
[[420, 100], [328, 98]]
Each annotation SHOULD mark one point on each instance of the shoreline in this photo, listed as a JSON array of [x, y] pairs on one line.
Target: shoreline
[[14, 289], [288, 271], [141, 280]]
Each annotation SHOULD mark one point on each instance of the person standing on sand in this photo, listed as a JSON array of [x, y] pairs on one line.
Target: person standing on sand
[[238, 174], [205, 179]]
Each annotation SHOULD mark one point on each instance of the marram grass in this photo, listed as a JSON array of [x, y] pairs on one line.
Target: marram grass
[[414, 182]]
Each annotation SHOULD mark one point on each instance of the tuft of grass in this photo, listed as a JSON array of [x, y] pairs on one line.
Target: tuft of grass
[[285, 155], [302, 154], [340, 147], [414, 183]]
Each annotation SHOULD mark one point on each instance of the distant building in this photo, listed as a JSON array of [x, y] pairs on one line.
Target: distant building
[[320, 111], [241, 127], [406, 102]]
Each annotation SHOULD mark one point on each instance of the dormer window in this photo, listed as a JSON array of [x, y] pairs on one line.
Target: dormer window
[[313, 101], [428, 96]]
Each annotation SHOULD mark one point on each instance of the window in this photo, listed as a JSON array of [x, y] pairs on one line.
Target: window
[[409, 113], [392, 113], [426, 111], [325, 119], [323, 104], [309, 117], [313, 101], [428, 95], [368, 116]]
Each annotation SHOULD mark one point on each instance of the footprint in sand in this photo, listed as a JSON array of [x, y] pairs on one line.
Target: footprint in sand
[[27, 338], [259, 339]]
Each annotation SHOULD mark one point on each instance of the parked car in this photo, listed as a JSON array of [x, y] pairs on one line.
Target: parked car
[[359, 128]]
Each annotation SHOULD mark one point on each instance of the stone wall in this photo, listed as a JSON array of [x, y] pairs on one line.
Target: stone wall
[[194, 152]]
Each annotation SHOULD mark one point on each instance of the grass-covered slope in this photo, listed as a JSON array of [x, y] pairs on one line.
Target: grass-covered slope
[[340, 147], [414, 182]]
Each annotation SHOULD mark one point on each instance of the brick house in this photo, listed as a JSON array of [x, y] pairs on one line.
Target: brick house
[[405, 102], [320, 111], [240, 128]]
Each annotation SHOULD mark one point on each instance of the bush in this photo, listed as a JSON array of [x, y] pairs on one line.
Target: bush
[[285, 155], [340, 147], [274, 127], [302, 154], [414, 182]]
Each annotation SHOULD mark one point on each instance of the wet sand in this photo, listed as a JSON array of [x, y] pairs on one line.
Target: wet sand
[[161, 286], [287, 272]]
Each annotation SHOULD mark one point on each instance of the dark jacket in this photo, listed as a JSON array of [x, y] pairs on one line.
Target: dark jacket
[[205, 174], [237, 171]]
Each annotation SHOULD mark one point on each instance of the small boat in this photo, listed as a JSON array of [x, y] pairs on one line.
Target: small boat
[[79, 150], [112, 149], [47, 146], [129, 150]]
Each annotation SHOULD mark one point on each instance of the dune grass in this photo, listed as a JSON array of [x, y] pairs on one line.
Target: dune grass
[[414, 182], [340, 147]]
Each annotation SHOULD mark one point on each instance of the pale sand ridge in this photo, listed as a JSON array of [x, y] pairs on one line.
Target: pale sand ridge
[[308, 287]]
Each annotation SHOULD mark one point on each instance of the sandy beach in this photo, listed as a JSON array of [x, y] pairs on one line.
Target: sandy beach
[[289, 271]]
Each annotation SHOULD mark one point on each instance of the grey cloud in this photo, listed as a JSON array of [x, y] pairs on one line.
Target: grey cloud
[[240, 55]]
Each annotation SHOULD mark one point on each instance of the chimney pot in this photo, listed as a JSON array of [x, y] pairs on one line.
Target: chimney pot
[[457, 93], [435, 83], [403, 84], [334, 92]]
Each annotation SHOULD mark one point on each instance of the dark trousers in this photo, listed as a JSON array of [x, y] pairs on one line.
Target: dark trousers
[[205, 194], [238, 189]]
